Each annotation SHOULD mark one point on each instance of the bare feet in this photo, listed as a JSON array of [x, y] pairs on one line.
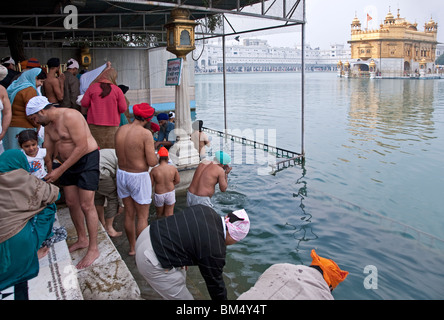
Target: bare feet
[[88, 259], [113, 233], [43, 251], [78, 245]]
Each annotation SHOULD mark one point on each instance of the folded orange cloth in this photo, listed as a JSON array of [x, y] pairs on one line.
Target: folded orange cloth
[[333, 275]]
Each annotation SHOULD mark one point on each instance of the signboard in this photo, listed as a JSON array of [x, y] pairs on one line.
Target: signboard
[[174, 71]]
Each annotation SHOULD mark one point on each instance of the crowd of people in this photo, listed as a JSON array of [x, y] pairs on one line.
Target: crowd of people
[[62, 132], [75, 133]]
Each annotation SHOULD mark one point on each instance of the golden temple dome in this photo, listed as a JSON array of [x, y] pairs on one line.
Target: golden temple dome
[[431, 22], [389, 18], [356, 24]]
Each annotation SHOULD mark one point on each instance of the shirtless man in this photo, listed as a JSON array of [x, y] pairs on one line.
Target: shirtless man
[[164, 178], [199, 138], [207, 175], [135, 154], [54, 86], [67, 135]]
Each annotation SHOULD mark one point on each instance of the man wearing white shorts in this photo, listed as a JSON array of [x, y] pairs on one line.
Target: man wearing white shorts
[[136, 185], [168, 198], [135, 154]]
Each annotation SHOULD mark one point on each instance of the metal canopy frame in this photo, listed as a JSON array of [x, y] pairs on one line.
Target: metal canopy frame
[[42, 23]]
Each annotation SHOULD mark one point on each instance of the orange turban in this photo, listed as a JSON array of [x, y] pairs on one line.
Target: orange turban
[[163, 152], [332, 274]]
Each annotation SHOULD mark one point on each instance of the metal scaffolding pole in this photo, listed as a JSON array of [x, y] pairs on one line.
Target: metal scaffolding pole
[[303, 82], [225, 82]]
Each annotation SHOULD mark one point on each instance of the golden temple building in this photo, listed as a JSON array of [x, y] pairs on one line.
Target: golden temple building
[[396, 49]]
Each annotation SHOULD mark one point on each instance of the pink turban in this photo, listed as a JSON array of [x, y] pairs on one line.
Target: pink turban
[[238, 224]]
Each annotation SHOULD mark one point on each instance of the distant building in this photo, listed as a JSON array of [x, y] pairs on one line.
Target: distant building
[[439, 50], [255, 55], [397, 49]]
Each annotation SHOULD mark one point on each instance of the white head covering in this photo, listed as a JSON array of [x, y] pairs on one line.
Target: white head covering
[[36, 104], [74, 64], [3, 72], [238, 229], [8, 60]]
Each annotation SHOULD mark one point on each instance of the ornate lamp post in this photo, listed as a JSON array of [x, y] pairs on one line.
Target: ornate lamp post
[[347, 69], [180, 33], [85, 57], [372, 68], [339, 67], [180, 41], [422, 68]]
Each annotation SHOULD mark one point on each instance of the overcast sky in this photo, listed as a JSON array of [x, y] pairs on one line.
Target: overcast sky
[[328, 21]]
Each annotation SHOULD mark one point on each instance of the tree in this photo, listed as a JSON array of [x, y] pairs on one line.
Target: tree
[[440, 60]]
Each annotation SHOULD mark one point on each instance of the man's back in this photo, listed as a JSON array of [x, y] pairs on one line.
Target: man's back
[[165, 176], [194, 236], [52, 88], [135, 148], [207, 175]]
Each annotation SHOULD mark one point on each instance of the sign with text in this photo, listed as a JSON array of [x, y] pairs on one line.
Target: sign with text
[[174, 71]]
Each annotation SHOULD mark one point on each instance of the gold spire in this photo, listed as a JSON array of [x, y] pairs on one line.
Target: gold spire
[[356, 24]]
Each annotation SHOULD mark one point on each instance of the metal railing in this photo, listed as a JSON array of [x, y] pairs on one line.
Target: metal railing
[[289, 157]]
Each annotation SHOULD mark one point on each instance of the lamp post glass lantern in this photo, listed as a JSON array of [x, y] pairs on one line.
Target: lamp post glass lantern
[[180, 41], [180, 33]]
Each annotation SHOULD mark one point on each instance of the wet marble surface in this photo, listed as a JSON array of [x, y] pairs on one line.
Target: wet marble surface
[[108, 278]]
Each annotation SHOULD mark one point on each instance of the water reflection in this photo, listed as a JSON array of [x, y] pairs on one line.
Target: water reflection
[[391, 115], [388, 135], [300, 223]]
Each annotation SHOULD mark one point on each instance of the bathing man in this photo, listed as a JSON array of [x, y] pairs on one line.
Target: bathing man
[[205, 178], [164, 178], [286, 281], [67, 135], [135, 154]]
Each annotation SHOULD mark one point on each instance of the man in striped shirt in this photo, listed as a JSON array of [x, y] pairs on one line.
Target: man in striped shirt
[[196, 236]]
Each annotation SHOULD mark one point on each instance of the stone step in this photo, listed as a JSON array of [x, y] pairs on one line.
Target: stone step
[[57, 278], [108, 278]]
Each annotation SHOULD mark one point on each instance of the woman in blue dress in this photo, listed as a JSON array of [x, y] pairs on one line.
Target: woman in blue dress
[[27, 215]]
